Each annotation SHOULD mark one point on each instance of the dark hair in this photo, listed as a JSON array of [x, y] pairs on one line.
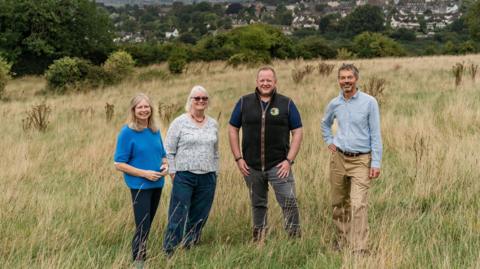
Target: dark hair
[[349, 67]]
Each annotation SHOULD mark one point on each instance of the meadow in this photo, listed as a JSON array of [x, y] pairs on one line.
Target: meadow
[[65, 206]]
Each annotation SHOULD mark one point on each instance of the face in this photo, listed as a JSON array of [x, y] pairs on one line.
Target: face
[[347, 81], [199, 101], [266, 82], [143, 111]]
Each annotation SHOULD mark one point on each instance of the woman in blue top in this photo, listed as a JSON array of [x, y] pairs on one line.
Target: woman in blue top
[[141, 157]]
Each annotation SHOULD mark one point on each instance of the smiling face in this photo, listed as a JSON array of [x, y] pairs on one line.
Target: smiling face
[[266, 82], [199, 101], [348, 82], [143, 111]]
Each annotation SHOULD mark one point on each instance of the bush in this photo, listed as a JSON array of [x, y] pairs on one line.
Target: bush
[[249, 58], [74, 73], [369, 45], [177, 63], [345, 54], [64, 73], [119, 65], [314, 47], [4, 75]]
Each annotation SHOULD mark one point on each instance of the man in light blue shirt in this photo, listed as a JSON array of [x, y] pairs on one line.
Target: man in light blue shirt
[[356, 152]]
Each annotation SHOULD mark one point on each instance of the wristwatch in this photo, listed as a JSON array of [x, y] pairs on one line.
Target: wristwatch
[[238, 158], [290, 161]]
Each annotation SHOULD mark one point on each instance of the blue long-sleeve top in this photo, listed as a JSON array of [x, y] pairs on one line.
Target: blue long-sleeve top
[[358, 120], [143, 150]]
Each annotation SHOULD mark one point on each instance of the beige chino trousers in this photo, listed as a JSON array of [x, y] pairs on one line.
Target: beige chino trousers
[[349, 181]]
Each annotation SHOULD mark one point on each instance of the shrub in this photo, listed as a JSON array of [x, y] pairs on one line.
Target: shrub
[[4, 75], [369, 45], [37, 118], [473, 68], [375, 87], [119, 65], [345, 54], [457, 70], [176, 64], [249, 58], [314, 47], [298, 74], [75, 73], [64, 73], [325, 69]]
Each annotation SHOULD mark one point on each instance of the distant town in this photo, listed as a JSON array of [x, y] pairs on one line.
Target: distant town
[[425, 17]]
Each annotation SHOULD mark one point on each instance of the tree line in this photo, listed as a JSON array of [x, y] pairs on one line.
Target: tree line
[[35, 33]]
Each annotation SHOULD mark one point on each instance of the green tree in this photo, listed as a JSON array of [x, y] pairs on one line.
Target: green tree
[[365, 18], [329, 23], [369, 45], [314, 47], [473, 20], [34, 33]]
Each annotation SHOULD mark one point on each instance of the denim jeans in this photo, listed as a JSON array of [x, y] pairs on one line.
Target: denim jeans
[[145, 204], [284, 188], [190, 203]]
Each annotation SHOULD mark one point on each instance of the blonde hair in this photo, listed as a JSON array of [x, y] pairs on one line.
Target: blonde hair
[[132, 119], [195, 89]]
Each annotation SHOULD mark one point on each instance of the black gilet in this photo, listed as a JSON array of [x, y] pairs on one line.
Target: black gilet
[[265, 133]]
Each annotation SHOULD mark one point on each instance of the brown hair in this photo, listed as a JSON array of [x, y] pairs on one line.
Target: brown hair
[[349, 67]]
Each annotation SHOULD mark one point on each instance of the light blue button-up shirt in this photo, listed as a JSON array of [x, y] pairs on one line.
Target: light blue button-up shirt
[[358, 121]]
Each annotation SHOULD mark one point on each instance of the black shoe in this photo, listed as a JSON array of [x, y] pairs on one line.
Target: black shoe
[[169, 253]]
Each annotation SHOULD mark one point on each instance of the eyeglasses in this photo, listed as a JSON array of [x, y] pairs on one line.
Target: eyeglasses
[[198, 98]]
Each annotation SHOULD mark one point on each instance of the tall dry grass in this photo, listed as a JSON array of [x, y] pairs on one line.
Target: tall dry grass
[[64, 206]]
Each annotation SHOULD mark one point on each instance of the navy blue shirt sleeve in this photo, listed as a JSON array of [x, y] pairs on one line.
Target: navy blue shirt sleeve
[[294, 120], [236, 118]]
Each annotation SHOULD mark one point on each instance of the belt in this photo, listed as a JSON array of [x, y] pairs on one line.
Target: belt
[[351, 154]]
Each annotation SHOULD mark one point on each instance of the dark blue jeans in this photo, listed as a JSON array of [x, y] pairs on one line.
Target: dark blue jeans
[[190, 203], [145, 204]]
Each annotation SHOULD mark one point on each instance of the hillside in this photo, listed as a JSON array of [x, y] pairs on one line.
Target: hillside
[[64, 205]]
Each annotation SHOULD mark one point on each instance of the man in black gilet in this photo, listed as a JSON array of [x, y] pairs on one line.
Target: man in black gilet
[[267, 119]]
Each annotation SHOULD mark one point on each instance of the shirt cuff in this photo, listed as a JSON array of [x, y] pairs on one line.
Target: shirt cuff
[[375, 164]]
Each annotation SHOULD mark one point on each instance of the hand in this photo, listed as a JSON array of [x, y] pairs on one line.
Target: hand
[[172, 176], [243, 167], [332, 148], [152, 175], [374, 172], [283, 169], [164, 169]]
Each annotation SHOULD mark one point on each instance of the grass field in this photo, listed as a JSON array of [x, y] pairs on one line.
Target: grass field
[[64, 206]]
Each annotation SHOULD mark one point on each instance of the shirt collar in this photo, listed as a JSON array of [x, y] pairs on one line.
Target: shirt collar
[[355, 96]]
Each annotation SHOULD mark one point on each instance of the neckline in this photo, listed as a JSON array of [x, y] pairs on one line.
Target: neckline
[[195, 123]]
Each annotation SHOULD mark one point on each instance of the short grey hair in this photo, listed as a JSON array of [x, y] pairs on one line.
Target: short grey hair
[[349, 67], [194, 90]]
